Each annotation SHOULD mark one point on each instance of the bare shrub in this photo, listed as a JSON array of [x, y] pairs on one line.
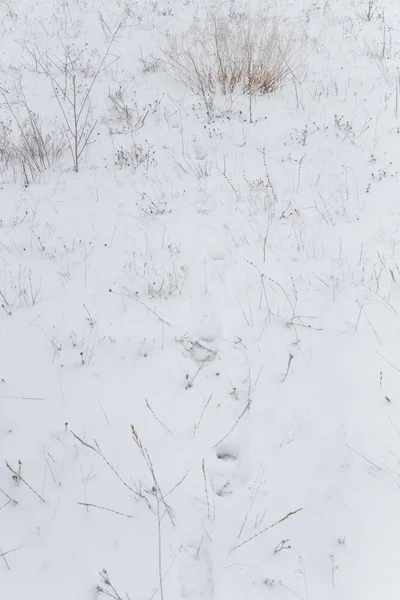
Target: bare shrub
[[67, 75], [250, 53]]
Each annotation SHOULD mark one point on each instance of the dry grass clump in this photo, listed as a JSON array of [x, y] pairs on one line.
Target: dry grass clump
[[27, 140], [250, 53]]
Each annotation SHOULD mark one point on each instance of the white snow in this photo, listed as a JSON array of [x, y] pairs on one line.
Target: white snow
[[234, 298]]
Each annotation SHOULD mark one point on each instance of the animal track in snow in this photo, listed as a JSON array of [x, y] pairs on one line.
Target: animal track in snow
[[228, 472], [195, 571], [203, 345], [225, 454]]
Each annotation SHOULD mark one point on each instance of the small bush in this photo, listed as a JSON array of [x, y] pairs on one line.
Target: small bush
[[250, 53]]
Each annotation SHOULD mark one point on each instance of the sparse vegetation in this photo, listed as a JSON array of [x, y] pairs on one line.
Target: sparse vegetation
[[199, 236]]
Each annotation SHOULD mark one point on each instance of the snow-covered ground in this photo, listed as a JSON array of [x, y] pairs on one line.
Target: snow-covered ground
[[199, 357]]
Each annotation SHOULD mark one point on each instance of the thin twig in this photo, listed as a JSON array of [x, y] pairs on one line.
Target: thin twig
[[103, 411], [156, 488], [195, 428], [266, 529], [398, 432], [249, 509], [364, 457], [20, 398], [164, 576], [288, 367], [358, 318], [205, 487], [388, 361], [177, 484], [156, 418], [5, 560], [235, 424], [190, 380], [160, 578], [48, 464], [20, 478], [99, 452], [116, 512], [133, 297], [107, 582], [9, 497], [4, 554]]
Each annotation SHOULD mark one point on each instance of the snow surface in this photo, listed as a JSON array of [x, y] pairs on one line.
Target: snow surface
[[260, 372]]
